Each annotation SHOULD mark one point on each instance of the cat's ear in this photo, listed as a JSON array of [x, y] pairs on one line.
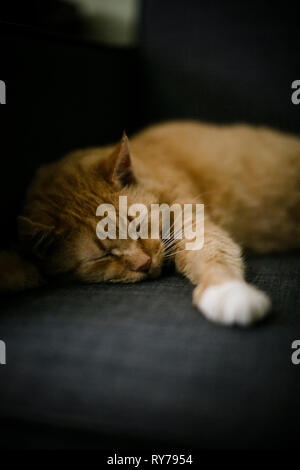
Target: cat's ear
[[120, 170], [35, 236]]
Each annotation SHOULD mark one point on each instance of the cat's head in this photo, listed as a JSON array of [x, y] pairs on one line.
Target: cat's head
[[59, 223]]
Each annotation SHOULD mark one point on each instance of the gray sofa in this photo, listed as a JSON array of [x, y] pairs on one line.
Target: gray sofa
[[114, 367]]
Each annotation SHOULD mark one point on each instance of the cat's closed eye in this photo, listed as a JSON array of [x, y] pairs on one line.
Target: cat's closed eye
[[104, 256]]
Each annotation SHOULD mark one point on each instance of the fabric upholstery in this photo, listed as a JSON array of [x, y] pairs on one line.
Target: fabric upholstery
[[138, 361], [110, 366]]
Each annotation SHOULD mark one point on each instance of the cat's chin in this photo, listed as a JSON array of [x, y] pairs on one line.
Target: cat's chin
[[154, 273], [130, 279], [138, 276]]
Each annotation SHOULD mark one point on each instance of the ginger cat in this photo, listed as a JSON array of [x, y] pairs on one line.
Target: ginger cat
[[248, 179]]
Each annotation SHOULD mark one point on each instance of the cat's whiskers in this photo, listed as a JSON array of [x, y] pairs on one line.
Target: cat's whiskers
[[175, 242], [191, 201], [178, 232], [169, 253]]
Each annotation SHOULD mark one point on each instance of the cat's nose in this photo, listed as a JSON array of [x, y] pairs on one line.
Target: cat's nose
[[143, 264]]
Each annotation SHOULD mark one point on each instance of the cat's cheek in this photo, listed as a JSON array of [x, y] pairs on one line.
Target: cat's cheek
[[232, 302]]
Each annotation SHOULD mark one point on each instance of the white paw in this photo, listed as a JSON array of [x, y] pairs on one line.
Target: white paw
[[234, 302]]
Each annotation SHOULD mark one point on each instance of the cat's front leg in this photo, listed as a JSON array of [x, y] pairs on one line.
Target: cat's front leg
[[221, 293]]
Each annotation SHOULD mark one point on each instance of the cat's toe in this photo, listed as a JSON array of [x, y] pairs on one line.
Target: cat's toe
[[234, 302]]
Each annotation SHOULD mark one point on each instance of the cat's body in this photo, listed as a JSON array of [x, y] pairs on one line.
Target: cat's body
[[248, 179]]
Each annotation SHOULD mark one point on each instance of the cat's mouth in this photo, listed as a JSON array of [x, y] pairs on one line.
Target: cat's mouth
[[154, 272], [134, 276]]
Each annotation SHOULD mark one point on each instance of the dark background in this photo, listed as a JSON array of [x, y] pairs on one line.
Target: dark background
[[118, 366], [215, 61]]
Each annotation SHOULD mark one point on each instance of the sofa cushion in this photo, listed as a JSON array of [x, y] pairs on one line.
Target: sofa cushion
[[140, 362], [220, 61]]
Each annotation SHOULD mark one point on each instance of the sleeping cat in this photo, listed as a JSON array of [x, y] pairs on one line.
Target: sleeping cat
[[247, 178]]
